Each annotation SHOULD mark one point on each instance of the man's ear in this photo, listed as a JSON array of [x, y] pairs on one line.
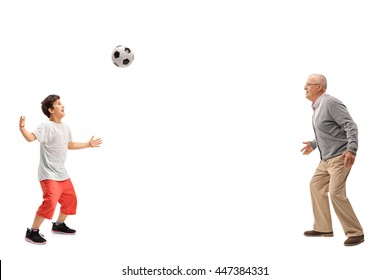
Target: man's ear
[[51, 110]]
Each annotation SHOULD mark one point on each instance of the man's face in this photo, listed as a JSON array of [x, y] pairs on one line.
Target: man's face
[[312, 88], [58, 109]]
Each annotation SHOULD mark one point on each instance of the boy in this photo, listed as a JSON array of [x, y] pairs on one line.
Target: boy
[[55, 138]]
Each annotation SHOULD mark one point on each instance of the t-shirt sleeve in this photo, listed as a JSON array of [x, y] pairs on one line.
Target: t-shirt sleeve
[[40, 132], [69, 136]]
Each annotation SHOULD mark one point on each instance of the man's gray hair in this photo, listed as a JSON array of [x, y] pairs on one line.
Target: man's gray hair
[[321, 79]]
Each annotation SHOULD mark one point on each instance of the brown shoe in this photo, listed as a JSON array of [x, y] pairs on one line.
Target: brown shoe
[[354, 240], [313, 233]]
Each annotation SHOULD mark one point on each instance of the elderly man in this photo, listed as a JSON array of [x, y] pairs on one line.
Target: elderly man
[[336, 137]]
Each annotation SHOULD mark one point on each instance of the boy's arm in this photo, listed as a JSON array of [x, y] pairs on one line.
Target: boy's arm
[[27, 135], [92, 143]]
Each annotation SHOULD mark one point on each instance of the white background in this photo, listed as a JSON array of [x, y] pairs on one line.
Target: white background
[[201, 163]]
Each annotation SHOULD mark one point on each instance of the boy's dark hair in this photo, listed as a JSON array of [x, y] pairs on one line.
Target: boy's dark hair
[[47, 103]]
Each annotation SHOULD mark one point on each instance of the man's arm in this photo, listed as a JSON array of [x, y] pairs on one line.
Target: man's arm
[[342, 117]]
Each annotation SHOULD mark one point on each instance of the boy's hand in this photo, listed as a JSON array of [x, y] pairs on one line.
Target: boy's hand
[[22, 122], [27, 135], [95, 142]]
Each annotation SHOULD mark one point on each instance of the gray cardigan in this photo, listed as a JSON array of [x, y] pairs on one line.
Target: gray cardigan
[[334, 129]]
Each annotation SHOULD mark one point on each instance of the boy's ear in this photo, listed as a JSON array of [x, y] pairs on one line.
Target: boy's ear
[[51, 110]]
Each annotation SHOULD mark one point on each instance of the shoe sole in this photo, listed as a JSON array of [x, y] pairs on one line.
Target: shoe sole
[[354, 244], [320, 235], [60, 232], [36, 243]]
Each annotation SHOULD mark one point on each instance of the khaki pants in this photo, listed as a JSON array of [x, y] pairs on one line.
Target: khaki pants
[[330, 177]]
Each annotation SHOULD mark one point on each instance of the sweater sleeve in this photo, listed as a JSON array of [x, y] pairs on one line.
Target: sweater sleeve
[[342, 117], [313, 144]]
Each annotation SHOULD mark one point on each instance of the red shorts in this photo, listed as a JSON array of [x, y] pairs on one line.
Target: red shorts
[[57, 191]]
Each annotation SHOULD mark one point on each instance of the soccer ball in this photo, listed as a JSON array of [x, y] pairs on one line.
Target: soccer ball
[[122, 56]]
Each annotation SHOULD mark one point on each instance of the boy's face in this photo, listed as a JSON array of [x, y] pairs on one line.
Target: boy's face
[[58, 110]]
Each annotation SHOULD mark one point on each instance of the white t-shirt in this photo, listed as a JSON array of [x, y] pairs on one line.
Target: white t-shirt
[[54, 139]]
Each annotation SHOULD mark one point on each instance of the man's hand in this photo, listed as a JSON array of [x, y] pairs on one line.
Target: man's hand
[[349, 159], [307, 149]]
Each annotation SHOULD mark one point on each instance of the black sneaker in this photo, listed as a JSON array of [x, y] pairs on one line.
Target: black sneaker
[[33, 236], [62, 229]]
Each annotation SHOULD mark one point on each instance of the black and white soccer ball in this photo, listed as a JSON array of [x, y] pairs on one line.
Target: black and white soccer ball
[[122, 56]]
